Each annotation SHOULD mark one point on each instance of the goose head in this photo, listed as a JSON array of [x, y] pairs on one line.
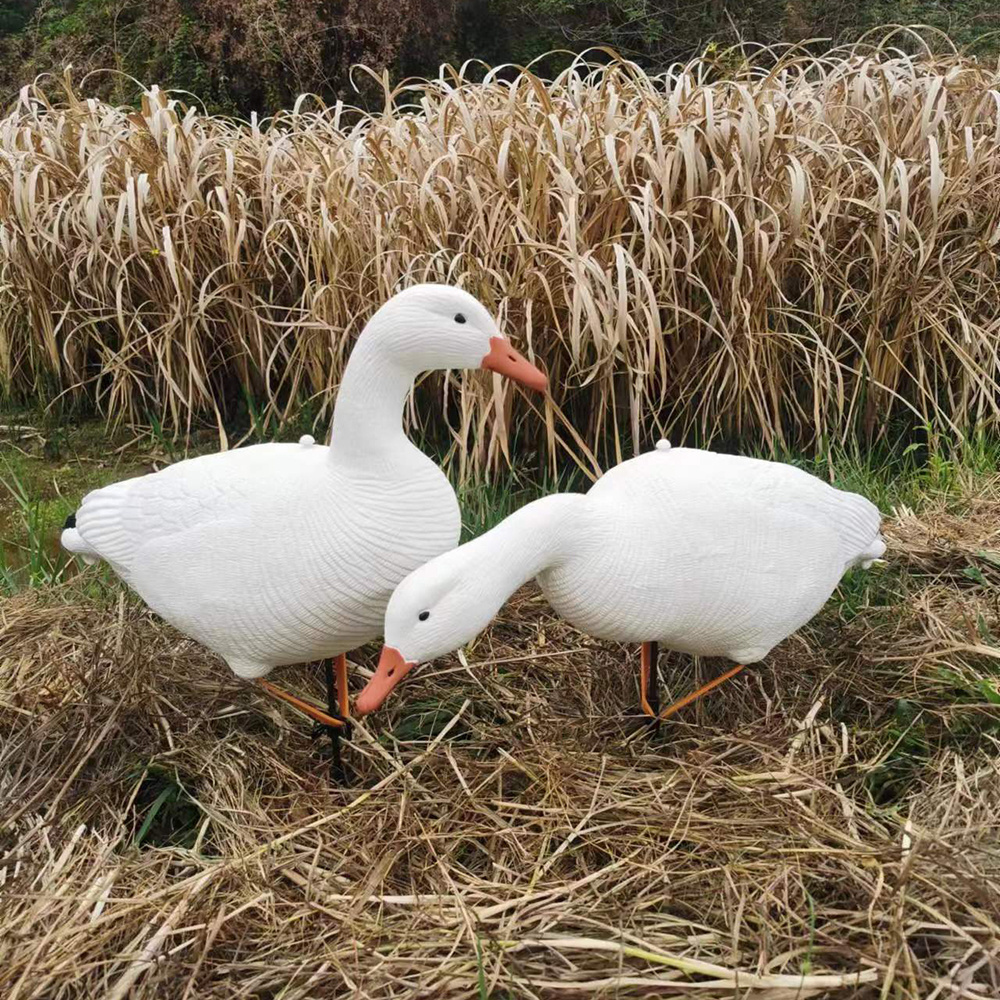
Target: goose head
[[437, 609], [433, 326]]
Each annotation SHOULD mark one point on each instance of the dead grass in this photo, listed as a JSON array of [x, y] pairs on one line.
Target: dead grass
[[824, 826], [802, 248]]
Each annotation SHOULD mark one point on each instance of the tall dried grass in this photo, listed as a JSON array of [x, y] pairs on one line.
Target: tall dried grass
[[794, 251]]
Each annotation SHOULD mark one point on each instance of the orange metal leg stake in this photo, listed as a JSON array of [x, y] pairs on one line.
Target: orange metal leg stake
[[647, 668], [305, 707], [342, 690]]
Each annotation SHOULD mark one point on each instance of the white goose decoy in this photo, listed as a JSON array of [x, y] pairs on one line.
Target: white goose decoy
[[285, 553], [709, 554]]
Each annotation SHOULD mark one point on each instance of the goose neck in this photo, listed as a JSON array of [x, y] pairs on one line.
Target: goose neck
[[368, 415], [531, 540]]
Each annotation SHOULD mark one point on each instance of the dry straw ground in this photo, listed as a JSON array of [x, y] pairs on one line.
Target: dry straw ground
[[783, 249], [792, 252], [823, 826]]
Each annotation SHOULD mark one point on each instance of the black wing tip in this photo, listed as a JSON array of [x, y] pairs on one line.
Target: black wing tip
[[70, 522]]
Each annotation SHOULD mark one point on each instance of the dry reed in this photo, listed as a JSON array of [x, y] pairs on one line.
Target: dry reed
[[784, 839], [799, 250]]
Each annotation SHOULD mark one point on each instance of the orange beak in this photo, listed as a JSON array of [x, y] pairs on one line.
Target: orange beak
[[504, 360], [392, 668]]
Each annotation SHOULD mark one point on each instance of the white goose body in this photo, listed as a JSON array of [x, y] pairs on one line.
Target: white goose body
[[283, 553], [710, 554], [274, 554]]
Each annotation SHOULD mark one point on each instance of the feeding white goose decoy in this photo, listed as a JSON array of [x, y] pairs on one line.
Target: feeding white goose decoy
[[285, 553], [709, 554]]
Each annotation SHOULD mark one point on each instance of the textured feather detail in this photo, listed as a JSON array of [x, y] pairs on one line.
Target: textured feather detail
[[712, 554], [72, 541], [283, 553], [715, 555], [854, 519], [272, 554], [102, 524]]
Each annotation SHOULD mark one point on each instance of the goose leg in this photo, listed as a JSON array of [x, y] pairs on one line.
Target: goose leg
[[648, 666], [704, 689], [649, 683], [339, 707], [336, 722], [305, 707]]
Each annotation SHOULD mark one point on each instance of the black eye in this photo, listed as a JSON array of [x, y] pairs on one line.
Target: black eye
[[459, 318], [424, 615]]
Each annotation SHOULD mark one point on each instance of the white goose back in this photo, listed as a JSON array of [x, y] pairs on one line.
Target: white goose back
[[712, 554]]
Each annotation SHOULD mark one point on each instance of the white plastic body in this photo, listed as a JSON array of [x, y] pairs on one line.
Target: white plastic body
[[282, 553], [716, 555]]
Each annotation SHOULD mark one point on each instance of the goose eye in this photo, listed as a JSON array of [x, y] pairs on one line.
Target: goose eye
[[424, 615], [459, 318]]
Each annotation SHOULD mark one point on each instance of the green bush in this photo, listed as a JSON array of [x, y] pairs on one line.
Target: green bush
[[13, 16], [242, 57]]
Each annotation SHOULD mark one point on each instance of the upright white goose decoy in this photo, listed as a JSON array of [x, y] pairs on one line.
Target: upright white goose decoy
[[709, 554], [284, 553]]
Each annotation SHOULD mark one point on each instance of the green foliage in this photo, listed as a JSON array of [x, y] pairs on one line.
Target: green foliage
[[30, 555], [13, 16], [236, 58], [72, 20], [481, 972], [239, 58], [183, 60], [906, 753], [166, 814], [41, 483], [657, 32], [423, 720], [971, 24], [486, 504]]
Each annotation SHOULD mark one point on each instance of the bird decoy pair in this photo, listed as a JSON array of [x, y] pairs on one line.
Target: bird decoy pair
[[286, 553]]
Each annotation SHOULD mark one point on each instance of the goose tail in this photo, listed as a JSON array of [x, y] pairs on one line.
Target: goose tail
[[860, 526], [72, 541], [874, 552]]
